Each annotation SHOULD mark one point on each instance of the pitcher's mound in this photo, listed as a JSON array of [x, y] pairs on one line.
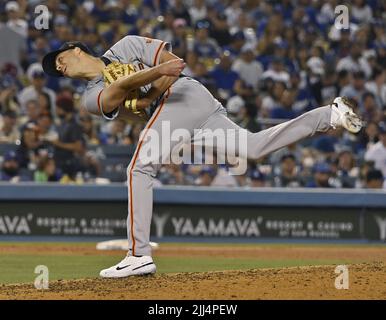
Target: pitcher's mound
[[366, 281]]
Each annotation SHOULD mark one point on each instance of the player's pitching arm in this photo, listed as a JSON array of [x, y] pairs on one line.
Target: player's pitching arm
[[116, 93], [160, 85]]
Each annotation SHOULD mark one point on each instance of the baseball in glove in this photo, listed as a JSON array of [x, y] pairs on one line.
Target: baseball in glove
[[113, 72]]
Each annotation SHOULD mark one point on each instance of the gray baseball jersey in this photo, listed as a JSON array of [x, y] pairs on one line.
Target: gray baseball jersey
[[141, 53], [187, 105]]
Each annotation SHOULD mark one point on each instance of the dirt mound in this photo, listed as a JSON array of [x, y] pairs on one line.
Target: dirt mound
[[366, 281]]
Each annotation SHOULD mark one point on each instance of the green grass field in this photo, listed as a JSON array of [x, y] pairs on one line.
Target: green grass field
[[18, 267]]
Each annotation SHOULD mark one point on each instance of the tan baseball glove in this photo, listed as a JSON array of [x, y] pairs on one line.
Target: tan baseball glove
[[113, 72]]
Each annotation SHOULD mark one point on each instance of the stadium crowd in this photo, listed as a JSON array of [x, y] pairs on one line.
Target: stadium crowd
[[266, 61]]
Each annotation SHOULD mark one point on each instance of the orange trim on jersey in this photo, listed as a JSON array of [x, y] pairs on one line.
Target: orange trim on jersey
[[158, 51], [131, 208], [98, 101]]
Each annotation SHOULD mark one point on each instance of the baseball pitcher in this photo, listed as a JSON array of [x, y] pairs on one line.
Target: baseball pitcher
[[140, 79]]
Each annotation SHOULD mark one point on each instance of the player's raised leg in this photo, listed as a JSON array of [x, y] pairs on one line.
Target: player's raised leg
[[338, 114]]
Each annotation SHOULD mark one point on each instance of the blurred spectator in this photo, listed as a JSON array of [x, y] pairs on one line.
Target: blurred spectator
[[379, 32], [246, 25], [206, 176], [98, 9], [324, 91], [89, 130], [46, 103], [171, 174], [377, 152], [191, 60], [179, 43], [321, 177], [361, 12], [381, 55], [70, 145], [10, 169], [45, 127], [248, 69], [14, 52], [133, 135], [327, 14], [46, 170], [37, 79], [319, 82], [326, 143], [371, 111], [245, 116], [14, 21], [8, 129], [116, 29], [93, 40], [355, 62], [287, 175], [347, 173], [225, 79], [63, 32], [32, 112], [37, 49], [343, 80], [233, 12], [204, 46], [356, 89], [197, 11], [378, 86], [277, 71], [9, 86], [257, 179], [27, 151], [164, 29], [273, 98], [303, 98], [91, 167], [201, 73], [219, 29], [241, 179], [223, 178], [284, 109], [374, 179], [368, 136], [295, 149], [237, 41], [180, 11], [116, 132]]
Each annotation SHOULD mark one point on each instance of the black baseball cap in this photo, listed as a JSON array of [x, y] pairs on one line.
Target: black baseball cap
[[49, 64]]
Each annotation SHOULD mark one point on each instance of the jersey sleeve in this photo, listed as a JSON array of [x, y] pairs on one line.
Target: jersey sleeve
[[145, 49], [93, 103]]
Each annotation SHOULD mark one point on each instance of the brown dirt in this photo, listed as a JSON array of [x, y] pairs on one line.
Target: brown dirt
[[367, 281]]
